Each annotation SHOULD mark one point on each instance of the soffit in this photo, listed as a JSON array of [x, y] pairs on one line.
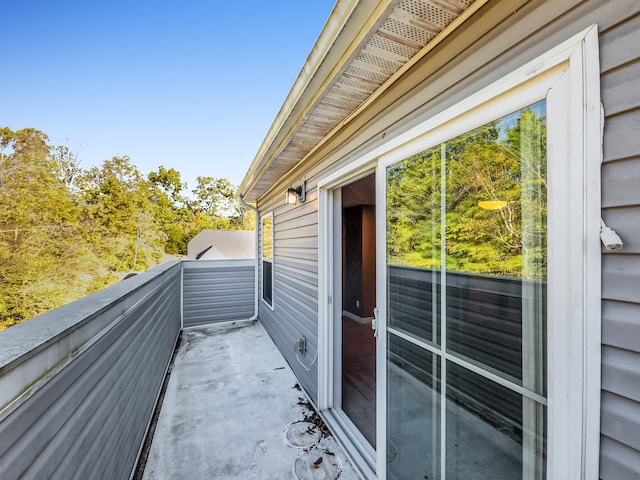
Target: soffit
[[401, 32]]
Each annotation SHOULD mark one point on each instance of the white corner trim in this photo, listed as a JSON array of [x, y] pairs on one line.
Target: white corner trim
[[593, 152], [325, 306]]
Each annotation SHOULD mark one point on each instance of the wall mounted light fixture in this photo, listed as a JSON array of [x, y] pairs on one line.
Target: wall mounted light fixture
[[295, 195]]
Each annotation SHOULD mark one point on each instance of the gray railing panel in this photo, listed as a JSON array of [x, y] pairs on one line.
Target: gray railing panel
[[87, 417], [218, 291]]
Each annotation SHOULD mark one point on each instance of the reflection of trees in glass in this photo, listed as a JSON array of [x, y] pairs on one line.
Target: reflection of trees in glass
[[413, 210], [267, 237], [503, 161]]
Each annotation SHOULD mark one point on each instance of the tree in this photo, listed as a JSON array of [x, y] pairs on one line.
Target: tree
[[121, 216], [216, 206], [66, 231], [170, 183], [66, 166], [214, 196], [171, 208], [44, 261]]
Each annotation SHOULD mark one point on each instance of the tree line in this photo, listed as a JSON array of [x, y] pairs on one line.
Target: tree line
[[67, 231]]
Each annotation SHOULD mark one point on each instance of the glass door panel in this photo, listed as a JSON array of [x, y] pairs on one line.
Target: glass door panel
[[413, 381], [466, 302], [485, 424], [414, 244]]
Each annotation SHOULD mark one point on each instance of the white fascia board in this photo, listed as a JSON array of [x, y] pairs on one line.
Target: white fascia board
[[348, 24], [320, 55]]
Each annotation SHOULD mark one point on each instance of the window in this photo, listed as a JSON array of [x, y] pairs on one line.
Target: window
[[466, 318], [492, 288], [267, 259]]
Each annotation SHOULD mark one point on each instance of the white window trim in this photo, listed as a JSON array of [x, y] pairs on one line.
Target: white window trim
[[569, 73], [271, 260]]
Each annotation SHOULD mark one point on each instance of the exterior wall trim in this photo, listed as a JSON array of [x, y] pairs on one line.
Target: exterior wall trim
[[593, 150]]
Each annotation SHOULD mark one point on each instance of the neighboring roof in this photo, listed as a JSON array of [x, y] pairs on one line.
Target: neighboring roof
[[364, 47], [222, 244]]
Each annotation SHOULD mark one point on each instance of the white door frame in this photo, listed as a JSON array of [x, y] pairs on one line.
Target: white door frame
[[329, 302]]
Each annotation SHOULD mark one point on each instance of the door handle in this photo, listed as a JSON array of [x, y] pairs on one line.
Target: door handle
[[374, 322]]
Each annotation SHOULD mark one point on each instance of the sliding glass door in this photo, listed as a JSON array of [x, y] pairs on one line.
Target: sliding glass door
[[466, 257]]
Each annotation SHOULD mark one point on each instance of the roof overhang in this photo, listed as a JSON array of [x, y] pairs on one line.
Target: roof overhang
[[364, 47]]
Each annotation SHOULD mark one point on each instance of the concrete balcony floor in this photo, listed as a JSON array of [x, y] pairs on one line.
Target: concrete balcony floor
[[233, 410]]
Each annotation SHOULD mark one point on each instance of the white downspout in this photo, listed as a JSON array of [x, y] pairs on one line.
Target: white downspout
[[255, 211]]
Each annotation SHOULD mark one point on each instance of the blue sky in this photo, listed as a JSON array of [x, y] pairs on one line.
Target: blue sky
[[193, 85]]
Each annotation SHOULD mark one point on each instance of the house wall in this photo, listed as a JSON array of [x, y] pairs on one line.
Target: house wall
[[295, 312], [493, 43], [620, 425]]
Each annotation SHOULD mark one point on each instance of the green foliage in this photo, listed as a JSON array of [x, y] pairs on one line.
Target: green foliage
[[214, 196], [66, 232], [44, 259], [117, 200]]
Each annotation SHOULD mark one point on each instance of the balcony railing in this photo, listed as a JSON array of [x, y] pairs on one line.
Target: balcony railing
[[79, 384]]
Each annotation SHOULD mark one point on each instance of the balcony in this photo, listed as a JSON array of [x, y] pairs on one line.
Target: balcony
[[83, 387]]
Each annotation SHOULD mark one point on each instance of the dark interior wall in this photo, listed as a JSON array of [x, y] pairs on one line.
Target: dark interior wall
[[359, 246], [359, 260], [352, 264], [368, 260]]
